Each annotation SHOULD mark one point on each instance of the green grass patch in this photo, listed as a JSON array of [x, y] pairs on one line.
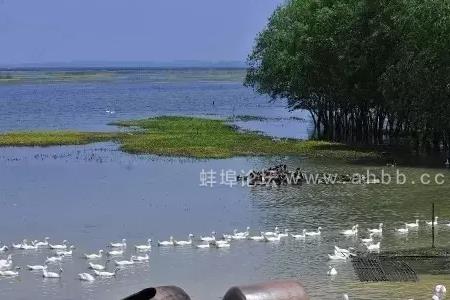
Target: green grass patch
[[53, 138], [190, 137]]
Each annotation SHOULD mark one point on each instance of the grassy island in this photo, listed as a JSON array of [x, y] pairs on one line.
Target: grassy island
[[189, 137]]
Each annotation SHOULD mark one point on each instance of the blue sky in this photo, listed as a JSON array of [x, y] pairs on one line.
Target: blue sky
[[42, 31]]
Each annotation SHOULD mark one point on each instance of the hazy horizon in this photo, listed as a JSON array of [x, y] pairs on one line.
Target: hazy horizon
[[50, 32]]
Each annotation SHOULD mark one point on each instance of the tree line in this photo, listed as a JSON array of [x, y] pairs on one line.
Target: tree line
[[368, 71]]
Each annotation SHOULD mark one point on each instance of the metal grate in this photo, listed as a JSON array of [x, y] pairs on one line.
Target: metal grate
[[382, 269]]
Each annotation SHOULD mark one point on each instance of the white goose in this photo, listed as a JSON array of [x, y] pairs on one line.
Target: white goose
[[343, 251], [64, 252], [9, 273], [435, 222], [94, 255], [378, 230], [62, 246], [331, 271], [86, 277], [337, 256], [244, 233], [220, 244], [229, 236], [97, 267], [140, 258], [115, 253], [353, 231], [299, 236], [413, 225], [313, 233], [402, 230], [4, 248], [47, 274], [28, 246], [369, 239], [144, 247], [209, 238], [6, 263], [122, 263], [122, 244], [202, 246], [54, 259], [36, 267], [42, 244], [170, 242], [272, 238], [272, 233], [440, 290], [106, 274], [184, 243], [19, 245], [373, 247]]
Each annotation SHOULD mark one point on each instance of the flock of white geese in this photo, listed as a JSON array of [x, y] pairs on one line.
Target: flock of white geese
[[117, 249]]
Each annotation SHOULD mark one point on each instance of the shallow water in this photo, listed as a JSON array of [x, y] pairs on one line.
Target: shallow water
[[92, 195]]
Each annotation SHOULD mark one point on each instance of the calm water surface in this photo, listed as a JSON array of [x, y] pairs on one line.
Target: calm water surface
[[92, 195]]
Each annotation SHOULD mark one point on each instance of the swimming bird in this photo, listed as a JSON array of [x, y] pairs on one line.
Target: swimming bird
[[220, 244], [373, 247], [209, 238], [369, 239], [244, 233], [345, 297], [313, 233], [402, 230], [97, 267], [144, 247], [54, 259], [106, 274], [440, 290], [64, 253], [9, 273], [257, 238], [19, 245], [413, 225], [94, 255], [299, 236], [62, 246], [28, 246], [337, 256], [115, 253], [272, 233], [272, 238], [6, 263], [47, 274], [4, 248], [435, 222], [202, 246], [331, 271], [122, 244], [124, 262], [184, 243], [170, 242], [285, 234], [36, 267], [353, 231], [378, 230], [343, 250], [86, 277], [140, 258], [42, 244]]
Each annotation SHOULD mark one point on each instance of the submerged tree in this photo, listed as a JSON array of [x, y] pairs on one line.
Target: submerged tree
[[368, 71]]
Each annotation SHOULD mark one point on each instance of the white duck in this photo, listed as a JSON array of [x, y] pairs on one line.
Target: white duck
[[144, 247], [184, 243], [86, 277], [402, 230], [331, 271], [313, 233], [97, 267], [36, 267], [170, 242], [62, 246], [209, 238], [94, 255], [106, 274], [122, 244], [122, 263], [378, 230], [413, 225], [9, 273], [373, 247], [47, 274], [435, 222], [140, 258], [115, 253], [54, 259], [353, 231], [272, 233], [299, 236], [42, 244]]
